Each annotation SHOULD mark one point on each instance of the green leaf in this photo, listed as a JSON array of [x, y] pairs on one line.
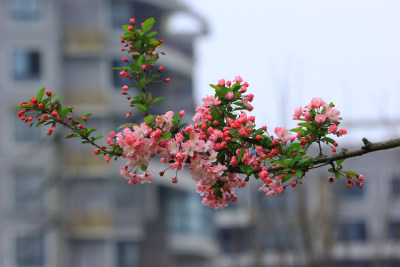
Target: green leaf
[[242, 167], [340, 161], [40, 94], [152, 34], [215, 87], [143, 167], [90, 130], [122, 68], [24, 106], [148, 24], [148, 119], [125, 27], [327, 139], [65, 111], [153, 40], [127, 125], [287, 177], [337, 175], [71, 136], [299, 173], [139, 60], [98, 137], [297, 130], [351, 174], [303, 124], [295, 160], [157, 99], [138, 44]]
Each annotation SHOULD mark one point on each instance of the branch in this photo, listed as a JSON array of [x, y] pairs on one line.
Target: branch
[[367, 148]]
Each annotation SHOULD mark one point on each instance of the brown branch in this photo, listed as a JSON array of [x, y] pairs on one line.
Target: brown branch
[[367, 148]]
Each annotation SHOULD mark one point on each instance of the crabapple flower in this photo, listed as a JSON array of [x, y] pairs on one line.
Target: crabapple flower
[[320, 118], [297, 112], [282, 133], [333, 128], [317, 102], [238, 79]]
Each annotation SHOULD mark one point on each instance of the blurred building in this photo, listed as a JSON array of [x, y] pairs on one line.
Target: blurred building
[[318, 223], [62, 206]]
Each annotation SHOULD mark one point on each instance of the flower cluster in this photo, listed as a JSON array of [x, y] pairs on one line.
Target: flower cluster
[[223, 148], [223, 142]]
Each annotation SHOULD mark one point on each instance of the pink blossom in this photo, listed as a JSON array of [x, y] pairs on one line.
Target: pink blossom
[[165, 121], [238, 79], [282, 133], [317, 102], [333, 128], [140, 132], [342, 131], [297, 112], [229, 95], [320, 118], [210, 101], [333, 115]]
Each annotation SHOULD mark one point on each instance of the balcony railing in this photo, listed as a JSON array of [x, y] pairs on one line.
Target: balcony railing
[[85, 41], [90, 223]]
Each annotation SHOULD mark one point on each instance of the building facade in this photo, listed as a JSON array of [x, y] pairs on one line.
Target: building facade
[[61, 205]]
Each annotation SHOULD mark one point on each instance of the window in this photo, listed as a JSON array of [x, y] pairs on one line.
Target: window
[[84, 253], [394, 231], [88, 195], [186, 214], [279, 203], [127, 196], [127, 254], [29, 251], [26, 10], [234, 240], [26, 65], [22, 133], [396, 186], [343, 191], [279, 239], [121, 12], [29, 190], [351, 232], [117, 80]]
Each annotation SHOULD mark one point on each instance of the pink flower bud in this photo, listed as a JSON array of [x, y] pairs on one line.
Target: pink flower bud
[[229, 95]]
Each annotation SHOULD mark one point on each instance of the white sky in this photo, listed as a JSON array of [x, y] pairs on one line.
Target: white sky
[[347, 52]]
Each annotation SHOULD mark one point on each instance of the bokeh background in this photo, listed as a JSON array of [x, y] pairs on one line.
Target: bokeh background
[[62, 206]]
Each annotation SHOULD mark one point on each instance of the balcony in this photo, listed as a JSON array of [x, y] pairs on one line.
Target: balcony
[[88, 99], [83, 163], [90, 224], [85, 42]]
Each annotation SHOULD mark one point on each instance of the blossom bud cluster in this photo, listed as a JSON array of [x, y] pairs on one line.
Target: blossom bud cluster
[[223, 148]]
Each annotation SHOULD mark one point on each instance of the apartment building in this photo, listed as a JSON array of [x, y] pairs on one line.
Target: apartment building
[[61, 205]]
